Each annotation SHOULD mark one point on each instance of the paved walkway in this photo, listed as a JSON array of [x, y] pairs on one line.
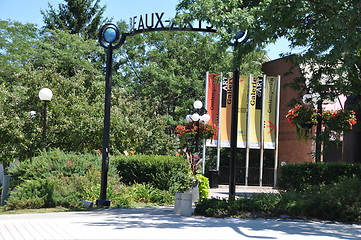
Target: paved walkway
[[161, 223]]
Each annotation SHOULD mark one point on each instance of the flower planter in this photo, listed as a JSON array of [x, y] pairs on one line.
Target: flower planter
[[305, 126]]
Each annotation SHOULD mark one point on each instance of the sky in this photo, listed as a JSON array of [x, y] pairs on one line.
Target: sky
[[28, 11]]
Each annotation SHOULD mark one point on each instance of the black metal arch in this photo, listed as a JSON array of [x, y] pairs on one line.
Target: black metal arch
[[119, 40]]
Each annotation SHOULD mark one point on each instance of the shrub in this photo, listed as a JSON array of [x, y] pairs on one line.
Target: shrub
[[36, 193], [203, 186], [163, 172], [54, 163], [339, 201], [56, 178], [146, 193], [302, 176]]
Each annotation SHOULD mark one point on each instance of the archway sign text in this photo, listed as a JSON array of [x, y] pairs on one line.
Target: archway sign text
[[156, 22]]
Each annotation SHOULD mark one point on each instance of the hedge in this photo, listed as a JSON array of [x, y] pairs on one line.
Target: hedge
[[339, 201], [301, 176], [171, 173]]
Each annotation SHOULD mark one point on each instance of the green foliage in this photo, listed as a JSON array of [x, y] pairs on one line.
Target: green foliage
[[35, 193], [329, 49], [203, 184], [71, 67], [302, 176], [168, 69], [76, 16], [163, 172], [56, 178], [56, 164], [340, 201]]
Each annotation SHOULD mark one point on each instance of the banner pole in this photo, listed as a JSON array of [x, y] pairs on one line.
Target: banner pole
[[234, 132], [219, 124], [277, 130], [204, 141], [262, 132], [248, 131]]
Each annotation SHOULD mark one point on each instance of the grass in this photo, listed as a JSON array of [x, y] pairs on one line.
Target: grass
[[63, 209], [29, 211]]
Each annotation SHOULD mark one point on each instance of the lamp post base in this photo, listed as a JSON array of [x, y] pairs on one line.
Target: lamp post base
[[103, 203]]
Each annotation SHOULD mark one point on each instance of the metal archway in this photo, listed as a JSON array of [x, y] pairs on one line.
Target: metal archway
[[110, 38]]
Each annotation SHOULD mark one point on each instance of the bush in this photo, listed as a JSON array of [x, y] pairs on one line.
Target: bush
[[163, 172], [339, 201], [36, 193], [203, 186], [56, 178], [54, 163], [301, 176]]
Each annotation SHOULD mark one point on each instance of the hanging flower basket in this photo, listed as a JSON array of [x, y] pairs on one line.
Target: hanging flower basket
[[303, 119], [335, 122]]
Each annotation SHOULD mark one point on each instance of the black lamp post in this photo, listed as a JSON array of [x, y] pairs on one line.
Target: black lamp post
[[108, 35], [240, 37], [200, 115], [45, 95]]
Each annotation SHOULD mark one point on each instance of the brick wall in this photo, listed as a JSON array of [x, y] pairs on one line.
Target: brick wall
[[291, 149]]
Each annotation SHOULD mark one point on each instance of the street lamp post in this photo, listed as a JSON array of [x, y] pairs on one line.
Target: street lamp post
[[200, 115], [240, 37], [108, 36], [45, 95]]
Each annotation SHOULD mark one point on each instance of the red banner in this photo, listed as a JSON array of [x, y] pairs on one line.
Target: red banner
[[212, 99]]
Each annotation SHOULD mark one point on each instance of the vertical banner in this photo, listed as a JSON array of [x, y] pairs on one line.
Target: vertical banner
[[226, 112], [254, 108], [270, 105], [249, 109], [212, 104], [242, 112]]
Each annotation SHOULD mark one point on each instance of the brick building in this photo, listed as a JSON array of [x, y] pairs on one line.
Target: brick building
[[291, 149]]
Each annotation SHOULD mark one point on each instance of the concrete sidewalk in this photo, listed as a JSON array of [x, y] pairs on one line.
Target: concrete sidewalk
[[223, 191], [161, 223]]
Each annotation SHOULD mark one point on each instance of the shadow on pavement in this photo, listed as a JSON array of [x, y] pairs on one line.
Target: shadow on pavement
[[163, 217]]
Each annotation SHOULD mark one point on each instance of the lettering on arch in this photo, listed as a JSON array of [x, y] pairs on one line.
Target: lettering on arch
[[156, 22]]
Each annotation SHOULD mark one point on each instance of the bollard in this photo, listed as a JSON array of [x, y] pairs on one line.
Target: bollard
[[178, 203], [186, 205]]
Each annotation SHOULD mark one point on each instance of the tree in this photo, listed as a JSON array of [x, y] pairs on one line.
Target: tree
[[168, 69], [60, 61], [82, 17], [328, 30]]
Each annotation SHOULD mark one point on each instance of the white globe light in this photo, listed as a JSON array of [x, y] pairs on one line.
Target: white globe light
[[45, 94], [189, 118], [205, 118], [195, 117], [197, 104]]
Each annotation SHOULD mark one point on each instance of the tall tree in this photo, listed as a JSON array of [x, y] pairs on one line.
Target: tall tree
[[168, 69], [328, 30], [60, 61], [82, 17]]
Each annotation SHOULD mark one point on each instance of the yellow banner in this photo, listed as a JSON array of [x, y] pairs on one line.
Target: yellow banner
[[270, 101], [255, 106], [242, 112]]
